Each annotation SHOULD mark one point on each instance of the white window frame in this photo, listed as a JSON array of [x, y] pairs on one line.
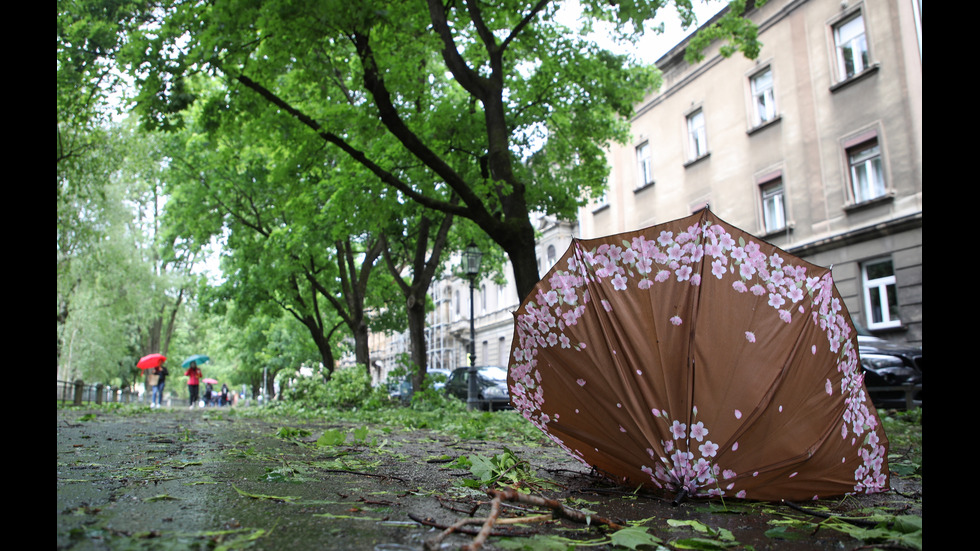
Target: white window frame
[[865, 168], [877, 306], [851, 44], [763, 97], [644, 165], [773, 196], [697, 135]]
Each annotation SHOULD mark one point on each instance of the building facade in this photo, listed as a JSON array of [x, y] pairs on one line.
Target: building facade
[[815, 146]]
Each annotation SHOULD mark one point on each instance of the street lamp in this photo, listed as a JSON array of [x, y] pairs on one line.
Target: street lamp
[[471, 266]]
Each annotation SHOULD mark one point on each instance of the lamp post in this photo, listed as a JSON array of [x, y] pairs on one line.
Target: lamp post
[[471, 266]]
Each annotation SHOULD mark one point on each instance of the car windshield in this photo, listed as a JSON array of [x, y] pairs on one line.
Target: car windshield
[[494, 373]]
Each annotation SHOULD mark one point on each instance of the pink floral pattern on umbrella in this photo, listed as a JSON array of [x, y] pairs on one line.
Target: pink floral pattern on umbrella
[[688, 313]]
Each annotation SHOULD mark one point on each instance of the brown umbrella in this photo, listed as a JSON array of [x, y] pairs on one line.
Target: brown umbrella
[[695, 359]]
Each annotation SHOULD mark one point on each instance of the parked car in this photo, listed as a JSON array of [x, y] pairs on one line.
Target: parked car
[[888, 364], [400, 391], [491, 386], [439, 377]]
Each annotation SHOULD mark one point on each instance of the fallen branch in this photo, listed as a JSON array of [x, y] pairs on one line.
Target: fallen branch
[[856, 521], [557, 509], [461, 527], [493, 519], [360, 473], [487, 526]]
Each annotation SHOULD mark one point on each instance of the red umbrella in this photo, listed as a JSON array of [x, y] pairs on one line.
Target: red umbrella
[[210, 381], [695, 359], [150, 361]]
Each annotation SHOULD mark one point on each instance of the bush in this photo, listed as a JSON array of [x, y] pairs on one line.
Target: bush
[[348, 388]]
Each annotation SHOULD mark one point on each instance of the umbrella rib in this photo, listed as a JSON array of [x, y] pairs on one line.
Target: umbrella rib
[[695, 311]]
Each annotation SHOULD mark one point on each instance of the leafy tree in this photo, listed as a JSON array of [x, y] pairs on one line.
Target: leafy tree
[[118, 293], [120, 283], [413, 256], [505, 108], [290, 237]]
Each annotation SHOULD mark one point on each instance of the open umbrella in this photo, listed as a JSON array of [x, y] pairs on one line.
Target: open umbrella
[[197, 358], [150, 361], [209, 381], [695, 359]]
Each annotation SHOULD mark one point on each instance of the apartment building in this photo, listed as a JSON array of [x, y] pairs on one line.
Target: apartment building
[[815, 146]]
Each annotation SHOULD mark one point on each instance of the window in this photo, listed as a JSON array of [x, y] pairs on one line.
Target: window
[[552, 256], [697, 135], [864, 164], [601, 202], [763, 97], [644, 164], [852, 47], [773, 206], [880, 295]]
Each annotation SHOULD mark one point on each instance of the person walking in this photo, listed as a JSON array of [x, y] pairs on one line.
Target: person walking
[[224, 395], [161, 372], [194, 375], [152, 378]]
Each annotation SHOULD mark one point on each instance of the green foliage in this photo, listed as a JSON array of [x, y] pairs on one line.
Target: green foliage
[[348, 388], [904, 431], [904, 531], [740, 34], [712, 538], [290, 433], [503, 469]]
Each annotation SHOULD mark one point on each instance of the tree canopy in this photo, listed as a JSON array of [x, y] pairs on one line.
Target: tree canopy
[[338, 148], [497, 104]]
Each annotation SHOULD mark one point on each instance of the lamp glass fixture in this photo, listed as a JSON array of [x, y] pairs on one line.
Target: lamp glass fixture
[[472, 256]]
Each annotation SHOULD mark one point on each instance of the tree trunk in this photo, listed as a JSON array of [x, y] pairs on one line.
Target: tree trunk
[[416, 332]]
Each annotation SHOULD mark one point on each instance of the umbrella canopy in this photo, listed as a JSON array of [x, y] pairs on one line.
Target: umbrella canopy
[[209, 381], [696, 359], [150, 361], [196, 358]]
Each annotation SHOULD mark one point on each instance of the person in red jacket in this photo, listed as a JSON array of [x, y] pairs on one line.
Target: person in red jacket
[[194, 381]]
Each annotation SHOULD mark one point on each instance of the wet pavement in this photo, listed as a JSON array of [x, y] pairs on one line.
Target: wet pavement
[[211, 479]]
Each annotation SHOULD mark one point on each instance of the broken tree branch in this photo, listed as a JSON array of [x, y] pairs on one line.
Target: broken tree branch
[[557, 509]]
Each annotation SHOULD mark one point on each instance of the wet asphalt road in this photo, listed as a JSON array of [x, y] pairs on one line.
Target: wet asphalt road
[[208, 479]]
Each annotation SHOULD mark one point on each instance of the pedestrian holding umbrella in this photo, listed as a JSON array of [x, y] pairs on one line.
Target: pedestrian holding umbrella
[[194, 375], [151, 363], [697, 360], [199, 359]]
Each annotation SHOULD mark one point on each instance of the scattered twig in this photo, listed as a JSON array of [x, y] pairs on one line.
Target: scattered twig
[[360, 473], [462, 529], [819, 514], [487, 526], [493, 519], [557, 509]]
